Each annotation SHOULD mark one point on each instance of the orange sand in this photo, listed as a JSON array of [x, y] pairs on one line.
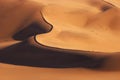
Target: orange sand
[[110, 37]]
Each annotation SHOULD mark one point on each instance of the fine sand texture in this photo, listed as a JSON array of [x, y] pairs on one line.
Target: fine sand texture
[[74, 24]]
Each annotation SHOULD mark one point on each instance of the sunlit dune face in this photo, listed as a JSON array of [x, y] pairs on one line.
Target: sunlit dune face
[[83, 26]]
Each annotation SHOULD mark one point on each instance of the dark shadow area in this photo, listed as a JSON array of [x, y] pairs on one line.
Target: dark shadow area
[[31, 30], [28, 55]]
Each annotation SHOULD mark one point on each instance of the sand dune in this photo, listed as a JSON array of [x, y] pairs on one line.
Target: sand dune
[[93, 23], [86, 28], [16, 15]]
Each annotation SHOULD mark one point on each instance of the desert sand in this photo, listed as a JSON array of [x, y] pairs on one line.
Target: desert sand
[[107, 36], [11, 72], [86, 29]]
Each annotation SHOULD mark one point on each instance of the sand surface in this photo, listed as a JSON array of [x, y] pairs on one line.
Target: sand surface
[[12, 72], [84, 28]]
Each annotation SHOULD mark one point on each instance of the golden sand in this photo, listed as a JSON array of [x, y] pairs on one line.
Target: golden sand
[[105, 38]]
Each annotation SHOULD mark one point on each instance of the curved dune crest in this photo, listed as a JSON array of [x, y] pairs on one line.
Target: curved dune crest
[[90, 28], [94, 27], [88, 24]]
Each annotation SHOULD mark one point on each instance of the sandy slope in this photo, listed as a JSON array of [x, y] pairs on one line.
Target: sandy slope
[[12, 72], [15, 15], [87, 27]]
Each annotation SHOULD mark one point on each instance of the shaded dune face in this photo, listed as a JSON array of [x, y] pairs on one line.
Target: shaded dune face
[[15, 15], [37, 26], [86, 27]]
